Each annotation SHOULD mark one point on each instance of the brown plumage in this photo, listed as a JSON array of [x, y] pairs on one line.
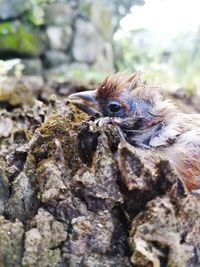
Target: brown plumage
[[150, 121], [116, 83]]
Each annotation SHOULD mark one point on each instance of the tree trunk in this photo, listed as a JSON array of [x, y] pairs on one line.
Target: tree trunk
[[70, 196]]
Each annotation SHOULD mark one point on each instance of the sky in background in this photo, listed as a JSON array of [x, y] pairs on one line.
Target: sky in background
[[169, 16], [161, 38]]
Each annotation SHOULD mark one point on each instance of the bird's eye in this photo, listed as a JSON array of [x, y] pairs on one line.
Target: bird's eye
[[114, 107]]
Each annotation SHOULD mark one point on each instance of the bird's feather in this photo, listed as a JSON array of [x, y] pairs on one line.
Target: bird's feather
[[117, 83]]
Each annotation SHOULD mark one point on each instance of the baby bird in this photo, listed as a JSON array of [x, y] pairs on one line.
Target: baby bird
[[149, 121]]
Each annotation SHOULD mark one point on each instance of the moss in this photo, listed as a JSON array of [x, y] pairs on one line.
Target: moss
[[85, 8], [19, 38], [56, 127]]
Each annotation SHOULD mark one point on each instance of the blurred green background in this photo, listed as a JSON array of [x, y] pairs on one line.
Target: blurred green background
[[87, 40]]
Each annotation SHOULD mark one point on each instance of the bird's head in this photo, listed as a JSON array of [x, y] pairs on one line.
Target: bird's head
[[137, 108], [114, 98]]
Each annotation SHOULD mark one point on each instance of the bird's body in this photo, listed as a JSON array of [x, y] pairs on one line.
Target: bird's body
[[184, 153], [149, 121]]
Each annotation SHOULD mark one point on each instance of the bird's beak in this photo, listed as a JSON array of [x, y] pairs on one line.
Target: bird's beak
[[85, 101]]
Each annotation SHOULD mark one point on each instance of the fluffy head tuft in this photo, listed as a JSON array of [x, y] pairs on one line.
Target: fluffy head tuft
[[117, 83]]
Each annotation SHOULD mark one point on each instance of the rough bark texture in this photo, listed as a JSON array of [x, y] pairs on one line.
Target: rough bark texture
[[70, 197]]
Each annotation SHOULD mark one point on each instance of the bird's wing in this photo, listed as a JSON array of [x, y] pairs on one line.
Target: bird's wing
[[192, 120], [184, 155]]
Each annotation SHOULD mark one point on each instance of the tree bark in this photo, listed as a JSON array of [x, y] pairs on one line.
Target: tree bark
[[71, 196]]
